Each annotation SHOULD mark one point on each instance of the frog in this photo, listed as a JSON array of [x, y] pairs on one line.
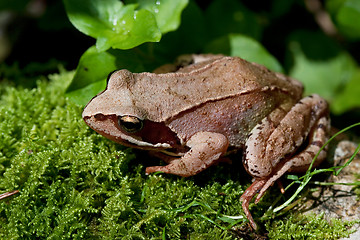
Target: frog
[[191, 114]]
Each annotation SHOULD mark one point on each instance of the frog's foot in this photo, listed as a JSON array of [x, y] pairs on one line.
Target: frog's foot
[[206, 148]]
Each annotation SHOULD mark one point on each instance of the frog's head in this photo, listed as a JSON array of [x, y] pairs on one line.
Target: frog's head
[[113, 114]]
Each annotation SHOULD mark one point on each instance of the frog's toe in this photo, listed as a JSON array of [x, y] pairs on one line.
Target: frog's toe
[[249, 193], [153, 169]]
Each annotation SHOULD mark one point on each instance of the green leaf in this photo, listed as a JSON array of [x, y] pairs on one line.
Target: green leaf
[[332, 6], [322, 77], [190, 37], [112, 23], [350, 97], [166, 12], [244, 47], [82, 96], [346, 14], [321, 65], [348, 18], [93, 66]]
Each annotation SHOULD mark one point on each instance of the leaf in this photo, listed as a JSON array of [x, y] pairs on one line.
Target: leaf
[[332, 6], [321, 65], [83, 95], [349, 98], [244, 47], [112, 23], [188, 38], [166, 12], [346, 14], [93, 66]]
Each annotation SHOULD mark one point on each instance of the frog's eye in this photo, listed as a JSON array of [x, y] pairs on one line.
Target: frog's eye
[[130, 124]]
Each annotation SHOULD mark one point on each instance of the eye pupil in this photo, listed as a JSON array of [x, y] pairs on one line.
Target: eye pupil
[[130, 124]]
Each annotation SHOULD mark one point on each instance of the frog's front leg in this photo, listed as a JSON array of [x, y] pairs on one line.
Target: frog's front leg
[[272, 148], [205, 149]]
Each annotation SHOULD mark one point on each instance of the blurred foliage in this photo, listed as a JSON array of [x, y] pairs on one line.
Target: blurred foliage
[[346, 14], [318, 45]]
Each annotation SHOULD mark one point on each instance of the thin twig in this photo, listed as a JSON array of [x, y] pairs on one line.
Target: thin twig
[[8, 194], [322, 18]]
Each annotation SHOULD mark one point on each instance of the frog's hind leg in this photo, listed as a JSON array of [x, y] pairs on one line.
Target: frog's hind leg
[[270, 146], [301, 161]]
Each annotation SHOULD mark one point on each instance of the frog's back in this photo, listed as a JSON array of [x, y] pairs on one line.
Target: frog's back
[[165, 95], [233, 117]]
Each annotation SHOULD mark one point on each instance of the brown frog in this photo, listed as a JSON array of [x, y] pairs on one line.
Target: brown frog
[[209, 104]]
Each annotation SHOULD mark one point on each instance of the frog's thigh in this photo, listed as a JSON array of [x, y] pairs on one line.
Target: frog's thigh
[[302, 160], [263, 154], [205, 149]]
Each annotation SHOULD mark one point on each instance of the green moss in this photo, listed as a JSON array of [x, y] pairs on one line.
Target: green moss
[[308, 227], [75, 184]]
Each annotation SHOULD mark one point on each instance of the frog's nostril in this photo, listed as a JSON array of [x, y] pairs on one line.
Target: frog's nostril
[[99, 116]]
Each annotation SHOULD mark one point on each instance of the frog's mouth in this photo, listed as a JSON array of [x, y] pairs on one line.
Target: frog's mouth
[[152, 136]]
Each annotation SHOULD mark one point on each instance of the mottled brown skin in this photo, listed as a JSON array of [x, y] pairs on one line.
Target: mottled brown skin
[[208, 104]]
